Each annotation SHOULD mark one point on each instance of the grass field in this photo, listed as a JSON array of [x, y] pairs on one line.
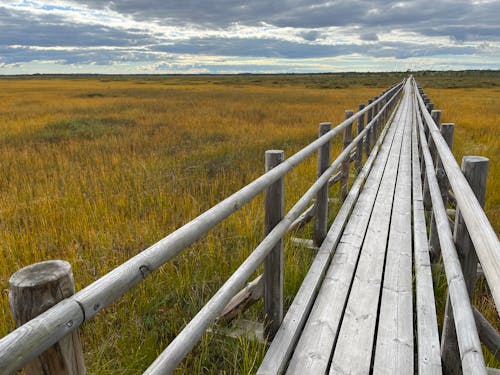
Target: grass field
[[95, 169]]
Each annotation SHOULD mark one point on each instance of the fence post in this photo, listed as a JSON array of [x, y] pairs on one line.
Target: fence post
[[273, 264], [430, 107], [368, 140], [321, 222], [359, 148], [434, 247], [436, 116], [475, 170], [33, 290], [344, 182]]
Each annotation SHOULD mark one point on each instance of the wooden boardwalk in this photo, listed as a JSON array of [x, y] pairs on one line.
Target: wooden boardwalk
[[366, 305], [363, 316]]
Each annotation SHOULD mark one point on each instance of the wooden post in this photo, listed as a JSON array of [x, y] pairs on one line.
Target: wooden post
[[375, 112], [321, 222], [436, 116], [434, 248], [273, 264], [430, 107], [359, 148], [33, 290], [369, 117], [344, 182], [475, 170]]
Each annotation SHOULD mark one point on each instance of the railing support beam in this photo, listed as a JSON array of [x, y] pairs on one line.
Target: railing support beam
[[321, 222], [273, 264]]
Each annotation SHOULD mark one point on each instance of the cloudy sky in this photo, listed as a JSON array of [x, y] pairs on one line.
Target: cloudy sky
[[232, 36]]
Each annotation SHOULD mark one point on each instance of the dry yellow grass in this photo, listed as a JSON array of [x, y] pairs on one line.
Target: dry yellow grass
[[95, 170]]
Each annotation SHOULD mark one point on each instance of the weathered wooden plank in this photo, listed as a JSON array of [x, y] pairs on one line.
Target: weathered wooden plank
[[313, 349], [428, 347], [353, 351], [284, 342], [394, 343], [244, 299]]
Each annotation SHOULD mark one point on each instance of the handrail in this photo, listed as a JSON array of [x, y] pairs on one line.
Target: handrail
[[191, 334], [480, 230], [468, 339], [33, 338]]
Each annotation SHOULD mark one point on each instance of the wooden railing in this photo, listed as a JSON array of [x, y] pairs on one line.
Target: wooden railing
[[461, 243], [41, 332]]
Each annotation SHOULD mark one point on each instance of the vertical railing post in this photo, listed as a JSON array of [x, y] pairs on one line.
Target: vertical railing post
[[359, 148], [321, 222], [475, 170], [368, 141], [434, 247], [344, 182], [273, 264], [430, 107], [33, 290]]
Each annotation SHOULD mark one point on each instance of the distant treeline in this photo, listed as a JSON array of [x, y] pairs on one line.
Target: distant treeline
[[427, 78]]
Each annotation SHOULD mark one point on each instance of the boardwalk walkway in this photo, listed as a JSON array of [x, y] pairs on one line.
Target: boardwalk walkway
[[366, 305], [362, 320]]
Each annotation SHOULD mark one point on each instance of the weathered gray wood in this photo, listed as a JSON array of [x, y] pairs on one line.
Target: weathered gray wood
[[321, 219], [359, 149], [353, 352], [243, 300], [470, 347], [493, 371], [369, 137], [428, 347], [344, 183], [475, 170], [487, 333], [436, 116], [312, 354], [283, 344], [394, 341], [33, 290], [447, 133], [273, 264]]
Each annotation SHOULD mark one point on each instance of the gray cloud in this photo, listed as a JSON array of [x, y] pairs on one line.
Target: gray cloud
[[364, 22]]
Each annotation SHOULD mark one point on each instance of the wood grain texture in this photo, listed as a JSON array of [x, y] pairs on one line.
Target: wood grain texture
[[394, 342], [313, 350], [33, 290], [428, 347], [475, 170], [273, 264], [344, 182], [321, 219]]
